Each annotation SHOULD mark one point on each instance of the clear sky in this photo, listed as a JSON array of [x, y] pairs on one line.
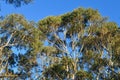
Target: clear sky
[[42, 8]]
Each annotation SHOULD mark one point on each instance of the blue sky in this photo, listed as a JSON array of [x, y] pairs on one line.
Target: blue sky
[[39, 9]]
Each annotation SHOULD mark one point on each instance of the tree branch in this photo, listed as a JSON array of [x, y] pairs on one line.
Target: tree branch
[[4, 76], [64, 51]]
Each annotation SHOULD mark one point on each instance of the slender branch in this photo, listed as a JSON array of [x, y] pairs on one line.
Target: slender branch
[[7, 43], [3, 76], [97, 77], [10, 38], [5, 64], [64, 51], [12, 44], [56, 74], [61, 42]]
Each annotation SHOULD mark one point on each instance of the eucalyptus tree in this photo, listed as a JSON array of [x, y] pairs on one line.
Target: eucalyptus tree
[[79, 45], [85, 43], [19, 43]]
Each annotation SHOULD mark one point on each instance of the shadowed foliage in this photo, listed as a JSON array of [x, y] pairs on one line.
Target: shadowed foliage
[[17, 3]]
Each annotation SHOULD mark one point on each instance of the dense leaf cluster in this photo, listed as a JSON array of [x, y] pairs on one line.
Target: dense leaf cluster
[[17, 3]]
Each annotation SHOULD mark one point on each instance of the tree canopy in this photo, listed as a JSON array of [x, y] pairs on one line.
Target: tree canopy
[[17, 3], [79, 45]]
